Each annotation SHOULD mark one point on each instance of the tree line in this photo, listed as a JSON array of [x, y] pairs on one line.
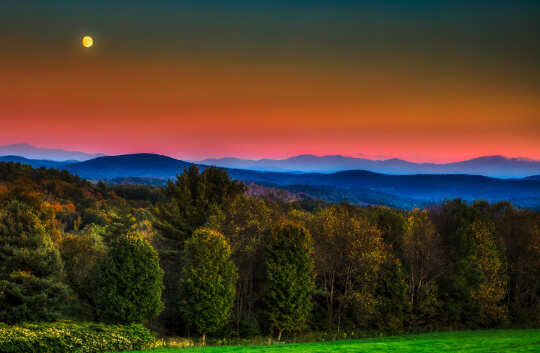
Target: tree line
[[201, 257]]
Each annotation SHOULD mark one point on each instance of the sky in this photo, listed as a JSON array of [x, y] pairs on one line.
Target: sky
[[419, 80]]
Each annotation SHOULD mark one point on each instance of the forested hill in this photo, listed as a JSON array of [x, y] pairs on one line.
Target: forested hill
[[131, 165]]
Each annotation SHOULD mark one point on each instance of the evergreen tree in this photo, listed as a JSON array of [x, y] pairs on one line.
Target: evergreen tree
[[129, 282], [289, 278], [30, 266], [193, 199], [208, 281]]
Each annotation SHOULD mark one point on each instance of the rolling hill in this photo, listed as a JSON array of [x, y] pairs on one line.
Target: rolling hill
[[143, 165]]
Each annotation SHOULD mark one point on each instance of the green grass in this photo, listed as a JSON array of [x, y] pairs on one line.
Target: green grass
[[456, 341]]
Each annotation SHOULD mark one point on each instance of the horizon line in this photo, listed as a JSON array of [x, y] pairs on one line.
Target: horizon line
[[257, 159]]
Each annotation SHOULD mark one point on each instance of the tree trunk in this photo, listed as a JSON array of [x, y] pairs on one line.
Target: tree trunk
[[204, 339], [279, 335]]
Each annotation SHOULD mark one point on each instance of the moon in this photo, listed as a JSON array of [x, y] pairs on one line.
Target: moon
[[87, 41]]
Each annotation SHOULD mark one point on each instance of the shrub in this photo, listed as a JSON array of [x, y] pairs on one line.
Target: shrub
[[72, 337]]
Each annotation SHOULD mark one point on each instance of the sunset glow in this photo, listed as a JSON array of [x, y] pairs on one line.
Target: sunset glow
[[323, 80]]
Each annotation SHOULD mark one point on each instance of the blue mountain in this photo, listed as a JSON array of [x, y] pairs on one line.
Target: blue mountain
[[35, 163], [358, 186], [418, 189], [33, 152], [144, 165], [494, 166]]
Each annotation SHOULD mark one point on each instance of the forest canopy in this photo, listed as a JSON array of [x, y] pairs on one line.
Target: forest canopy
[[259, 266]]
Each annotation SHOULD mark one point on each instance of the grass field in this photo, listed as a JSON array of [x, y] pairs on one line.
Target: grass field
[[462, 341]]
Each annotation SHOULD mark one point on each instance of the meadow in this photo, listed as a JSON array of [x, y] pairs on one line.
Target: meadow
[[457, 341]]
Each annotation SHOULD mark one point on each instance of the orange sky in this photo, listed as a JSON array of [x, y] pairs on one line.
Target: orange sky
[[273, 100]]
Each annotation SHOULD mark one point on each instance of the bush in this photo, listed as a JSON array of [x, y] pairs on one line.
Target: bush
[[60, 337]]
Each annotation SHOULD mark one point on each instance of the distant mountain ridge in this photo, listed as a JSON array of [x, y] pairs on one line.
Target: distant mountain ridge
[[353, 185], [358, 186], [32, 152], [494, 166], [35, 163]]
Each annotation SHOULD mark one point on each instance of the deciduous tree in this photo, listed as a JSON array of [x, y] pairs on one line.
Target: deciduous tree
[[208, 281], [129, 282], [290, 278]]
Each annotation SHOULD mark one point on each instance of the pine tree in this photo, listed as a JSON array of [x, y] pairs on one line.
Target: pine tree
[[30, 266], [289, 278], [193, 199], [208, 281], [129, 282]]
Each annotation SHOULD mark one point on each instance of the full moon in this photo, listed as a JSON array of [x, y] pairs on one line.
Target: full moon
[[87, 41]]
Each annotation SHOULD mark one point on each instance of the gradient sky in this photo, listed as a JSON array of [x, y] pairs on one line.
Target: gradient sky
[[419, 80]]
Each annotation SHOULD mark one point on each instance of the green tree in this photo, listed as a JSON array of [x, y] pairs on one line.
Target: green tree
[[208, 281], [290, 279], [129, 282], [193, 199], [81, 255], [30, 266]]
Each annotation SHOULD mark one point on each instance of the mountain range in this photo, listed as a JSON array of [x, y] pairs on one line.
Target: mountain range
[[49, 154], [355, 186], [358, 186], [36, 163], [494, 166]]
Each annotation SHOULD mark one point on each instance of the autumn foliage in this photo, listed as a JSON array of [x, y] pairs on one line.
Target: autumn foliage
[[202, 257]]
